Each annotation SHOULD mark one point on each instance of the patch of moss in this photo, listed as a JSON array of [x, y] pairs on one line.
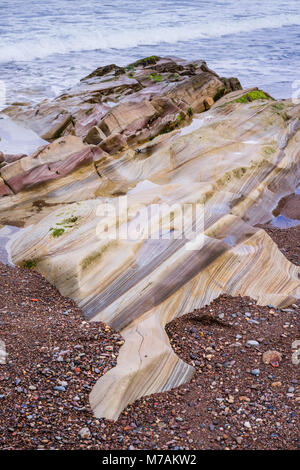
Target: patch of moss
[[151, 60], [278, 106], [171, 125], [284, 116], [206, 197], [108, 80], [229, 175], [219, 94], [269, 150], [253, 96], [190, 111], [93, 257], [262, 164], [166, 130], [156, 77], [279, 110], [226, 178], [239, 172], [69, 221], [29, 264], [57, 232], [174, 77]]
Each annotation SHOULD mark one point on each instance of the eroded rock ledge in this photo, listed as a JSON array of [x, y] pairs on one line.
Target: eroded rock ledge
[[137, 132], [113, 108]]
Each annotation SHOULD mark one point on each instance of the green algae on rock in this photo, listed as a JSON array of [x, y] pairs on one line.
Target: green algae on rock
[[253, 96]]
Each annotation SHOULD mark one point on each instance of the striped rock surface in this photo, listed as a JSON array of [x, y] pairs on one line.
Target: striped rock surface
[[109, 235]]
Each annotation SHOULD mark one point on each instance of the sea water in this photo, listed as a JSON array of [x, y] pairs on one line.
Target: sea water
[[48, 45]]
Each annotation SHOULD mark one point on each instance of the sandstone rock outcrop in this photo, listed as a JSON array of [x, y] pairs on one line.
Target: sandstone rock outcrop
[[110, 233], [136, 102], [4, 189], [49, 162]]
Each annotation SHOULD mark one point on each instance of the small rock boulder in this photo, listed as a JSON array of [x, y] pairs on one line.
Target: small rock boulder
[[85, 433], [272, 357]]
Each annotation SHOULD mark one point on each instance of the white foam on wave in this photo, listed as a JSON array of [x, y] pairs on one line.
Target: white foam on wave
[[78, 39]]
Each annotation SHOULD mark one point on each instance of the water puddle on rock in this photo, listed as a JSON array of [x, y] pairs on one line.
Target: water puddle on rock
[[196, 124], [284, 222], [287, 212], [143, 186], [7, 234], [230, 240]]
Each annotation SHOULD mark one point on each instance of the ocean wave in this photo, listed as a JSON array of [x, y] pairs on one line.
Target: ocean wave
[[75, 39]]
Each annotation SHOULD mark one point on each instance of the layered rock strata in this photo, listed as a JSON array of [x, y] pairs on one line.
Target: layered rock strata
[[141, 233]]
